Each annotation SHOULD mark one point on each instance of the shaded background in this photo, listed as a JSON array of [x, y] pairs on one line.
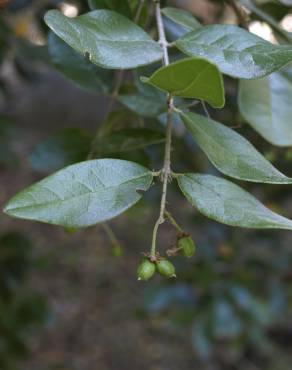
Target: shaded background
[[67, 301]]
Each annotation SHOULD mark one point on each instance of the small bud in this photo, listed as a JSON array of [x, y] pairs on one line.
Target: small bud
[[70, 230], [187, 246], [146, 270], [116, 250], [165, 268]]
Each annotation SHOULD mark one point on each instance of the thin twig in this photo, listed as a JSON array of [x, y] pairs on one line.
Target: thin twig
[[193, 104], [119, 80], [139, 10], [166, 170], [172, 221], [239, 13], [205, 109], [249, 4], [110, 233]]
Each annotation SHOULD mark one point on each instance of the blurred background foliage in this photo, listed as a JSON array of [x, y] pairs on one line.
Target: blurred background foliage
[[66, 300]]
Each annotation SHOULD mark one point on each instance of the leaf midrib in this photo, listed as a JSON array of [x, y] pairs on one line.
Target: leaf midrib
[[272, 223], [79, 195], [238, 158], [72, 23], [193, 81], [184, 44]]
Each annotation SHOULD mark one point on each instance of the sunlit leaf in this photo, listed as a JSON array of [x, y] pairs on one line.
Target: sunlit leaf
[[108, 39], [191, 78], [235, 51]]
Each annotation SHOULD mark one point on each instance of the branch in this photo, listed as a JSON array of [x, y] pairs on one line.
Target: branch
[[166, 170], [238, 12], [249, 4]]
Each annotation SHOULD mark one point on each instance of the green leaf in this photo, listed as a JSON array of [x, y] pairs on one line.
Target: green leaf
[[127, 140], [181, 17], [119, 6], [146, 101], [231, 153], [61, 149], [76, 67], [191, 78], [266, 105], [235, 51], [82, 194], [225, 202], [108, 39], [143, 105]]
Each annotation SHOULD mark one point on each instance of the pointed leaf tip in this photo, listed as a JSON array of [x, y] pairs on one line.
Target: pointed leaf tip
[[194, 78], [230, 152], [82, 194], [235, 51], [225, 202]]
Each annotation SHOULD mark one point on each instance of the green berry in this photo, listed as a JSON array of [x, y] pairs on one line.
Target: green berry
[[116, 250], [145, 270], [165, 268], [187, 246]]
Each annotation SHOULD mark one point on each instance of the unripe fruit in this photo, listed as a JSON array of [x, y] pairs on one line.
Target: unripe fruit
[[145, 270], [187, 246], [165, 268], [116, 250]]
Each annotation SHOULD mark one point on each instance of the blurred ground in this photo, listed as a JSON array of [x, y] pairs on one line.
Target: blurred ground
[[92, 297]]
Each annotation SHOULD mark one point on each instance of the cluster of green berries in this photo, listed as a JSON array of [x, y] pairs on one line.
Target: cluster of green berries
[[150, 264]]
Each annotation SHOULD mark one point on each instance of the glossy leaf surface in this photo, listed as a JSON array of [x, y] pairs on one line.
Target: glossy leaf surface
[[181, 17], [230, 152], [108, 39], [225, 202], [82, 194], [235, 51]]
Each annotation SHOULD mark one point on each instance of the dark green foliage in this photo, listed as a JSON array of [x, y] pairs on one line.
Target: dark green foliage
[[102, 175], [21, 309]]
